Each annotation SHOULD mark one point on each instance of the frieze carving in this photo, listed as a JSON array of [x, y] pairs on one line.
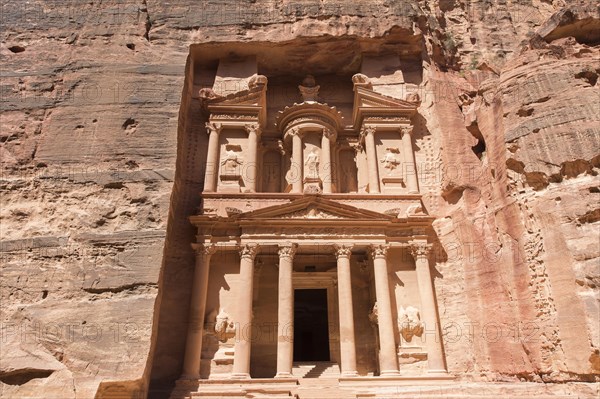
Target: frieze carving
[[234, 117], [398, 119], [420, 249], [249, 251], [343, 250], [310, 213], [409, 323], [287, 250], [232, 211], [379, 250]]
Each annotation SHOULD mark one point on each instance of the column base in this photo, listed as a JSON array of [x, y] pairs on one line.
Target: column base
[[437, 372], [239, 376], [189, 377], [349, 374], [389, 373], [284, 375]]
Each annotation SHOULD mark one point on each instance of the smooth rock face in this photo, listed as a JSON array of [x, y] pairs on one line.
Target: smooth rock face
[[101, 167]]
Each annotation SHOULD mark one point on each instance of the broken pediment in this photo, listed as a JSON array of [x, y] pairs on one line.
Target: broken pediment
[[373, 105]]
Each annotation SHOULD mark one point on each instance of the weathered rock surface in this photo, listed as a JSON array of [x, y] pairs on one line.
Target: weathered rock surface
[[96, 263]]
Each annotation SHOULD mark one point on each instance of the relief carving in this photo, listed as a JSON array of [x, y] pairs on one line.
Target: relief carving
[[309, 89], [232, 160], [373, 318], [390, 159], [312, 165], [409, 323], [224, 326]]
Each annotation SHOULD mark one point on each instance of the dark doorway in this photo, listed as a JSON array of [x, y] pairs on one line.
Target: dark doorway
[[311, 332]]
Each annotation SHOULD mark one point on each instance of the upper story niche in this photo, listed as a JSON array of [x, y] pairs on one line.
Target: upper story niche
[[328, 118]]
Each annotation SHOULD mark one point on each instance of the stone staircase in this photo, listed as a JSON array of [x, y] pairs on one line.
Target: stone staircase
[[316, 370]]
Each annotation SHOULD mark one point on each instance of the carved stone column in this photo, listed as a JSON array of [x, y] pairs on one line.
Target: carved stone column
[[326, 160], [410, 167], [252, 165], [297, 167], [285, 312], [369, 134], [347, 338], [212, 157], [241, 360], [388, 359], [435, 355], [193, 346]]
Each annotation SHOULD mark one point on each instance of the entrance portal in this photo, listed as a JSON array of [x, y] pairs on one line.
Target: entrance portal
[[311, 331]]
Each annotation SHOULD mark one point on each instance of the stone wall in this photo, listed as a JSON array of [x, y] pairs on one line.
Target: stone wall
[[98, 131]]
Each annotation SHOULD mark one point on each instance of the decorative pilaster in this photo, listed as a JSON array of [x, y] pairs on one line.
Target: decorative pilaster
[[347, 337], [285, 311], [212, 156], [435, 356], [250, 174], [388, 360], [369, 136], [410, 168], [193, 347], [241, 360]]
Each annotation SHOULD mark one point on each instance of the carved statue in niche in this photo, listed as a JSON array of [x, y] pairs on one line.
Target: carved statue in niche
[[390, 159], [409, 323], [312, 165], [232, 160], [224, 326]]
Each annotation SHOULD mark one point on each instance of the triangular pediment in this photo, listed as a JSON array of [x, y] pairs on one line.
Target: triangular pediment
[[313, 208]]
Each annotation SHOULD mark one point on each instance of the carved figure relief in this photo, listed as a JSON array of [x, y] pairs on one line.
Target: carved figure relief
[[409, 323], [232, 160], [312, 165], [390, 159], [373, 315], [224, 326]]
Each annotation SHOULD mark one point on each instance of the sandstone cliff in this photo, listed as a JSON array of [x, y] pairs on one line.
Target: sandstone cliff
[[99, 176]]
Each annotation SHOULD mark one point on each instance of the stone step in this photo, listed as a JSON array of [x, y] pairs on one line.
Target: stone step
[[315, 370]]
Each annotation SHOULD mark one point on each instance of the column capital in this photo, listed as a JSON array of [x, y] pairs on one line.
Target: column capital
[[406, 129], [213, 127], [249, 251], [379, 250], [343, 250], [204, 249], [253, 128], [367, 129], [420, 249], [287, 250], [330, 134]]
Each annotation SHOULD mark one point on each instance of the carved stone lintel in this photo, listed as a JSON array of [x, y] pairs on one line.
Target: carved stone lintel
[[420, 249], [249, 251], [379, 250], [204, 249], [343, 250], [287, 250], [213, 127]]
